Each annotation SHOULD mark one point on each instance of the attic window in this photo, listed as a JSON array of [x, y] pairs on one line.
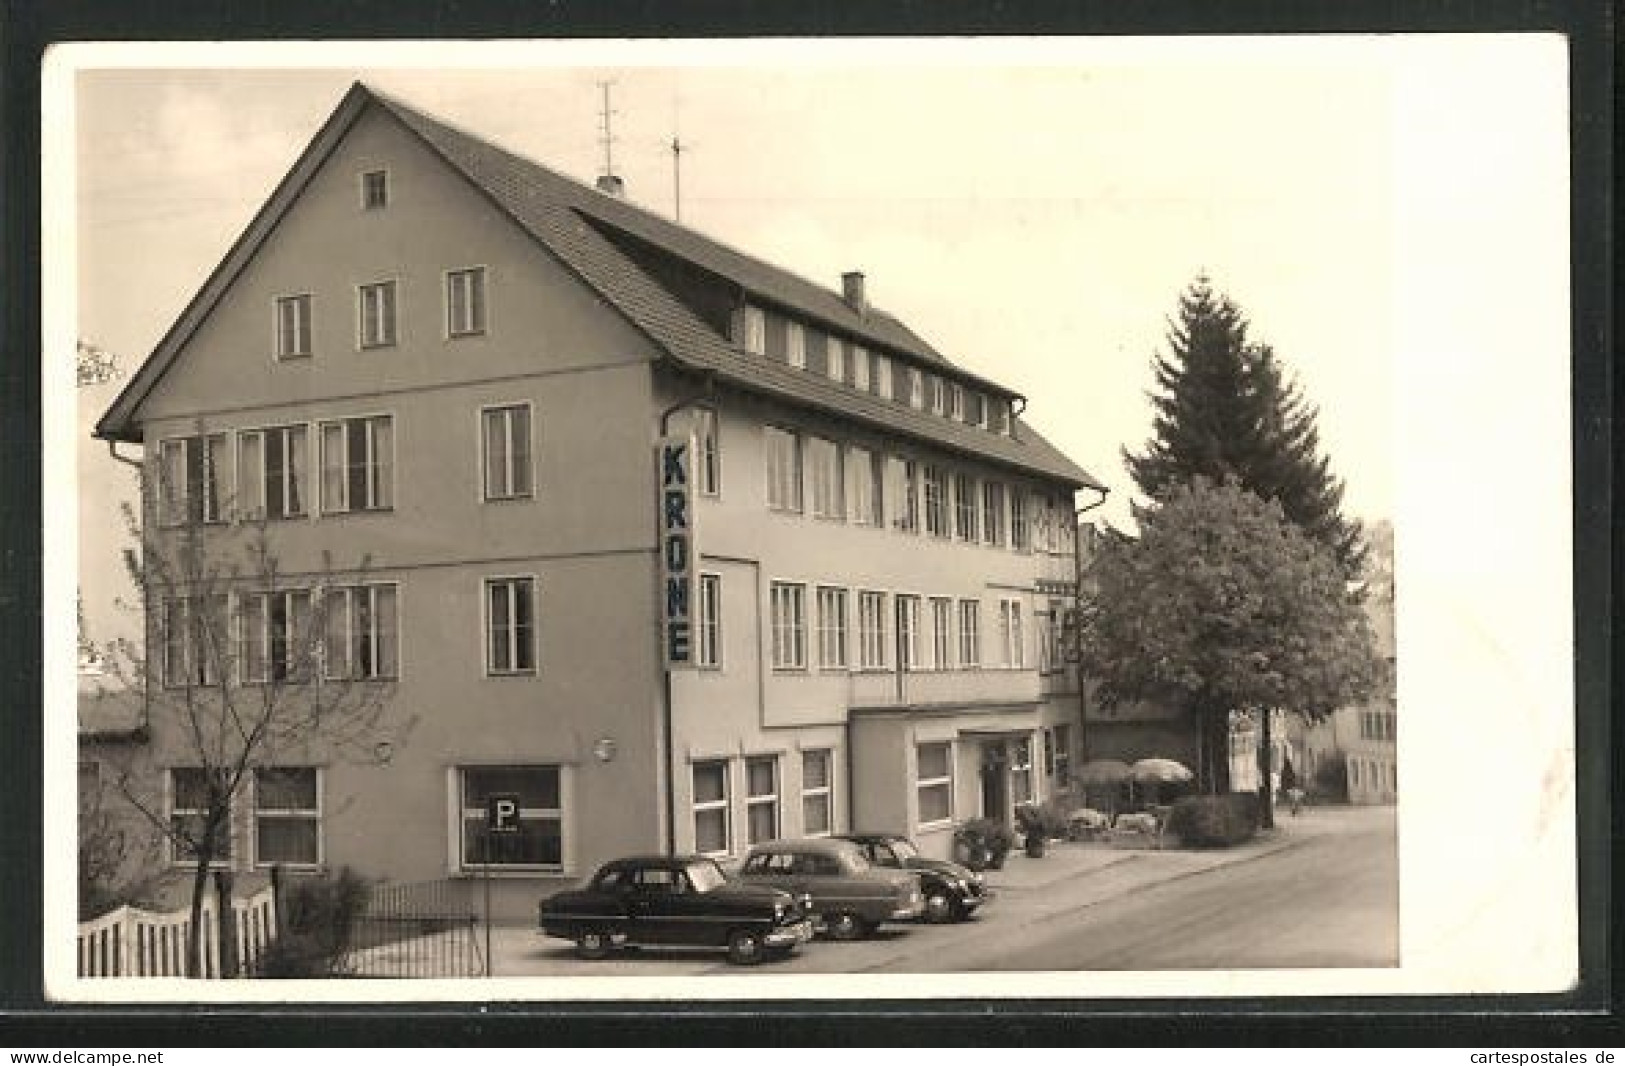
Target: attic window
[[754, 331], [374, 189]]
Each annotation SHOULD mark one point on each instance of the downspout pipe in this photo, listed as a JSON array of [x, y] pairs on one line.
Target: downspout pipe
[[1077, 601], [704, 399]]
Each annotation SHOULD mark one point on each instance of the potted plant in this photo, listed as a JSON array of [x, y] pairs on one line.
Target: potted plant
[[1032, 830], [982, 844]]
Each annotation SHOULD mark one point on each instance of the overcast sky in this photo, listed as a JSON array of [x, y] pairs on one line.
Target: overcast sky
[[1390, 213]]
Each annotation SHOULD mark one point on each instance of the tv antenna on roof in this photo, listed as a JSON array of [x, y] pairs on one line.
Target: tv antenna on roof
[[607, 137], [677, 146]]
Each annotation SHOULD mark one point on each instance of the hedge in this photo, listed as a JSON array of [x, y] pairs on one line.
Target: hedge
[[1215, 821]]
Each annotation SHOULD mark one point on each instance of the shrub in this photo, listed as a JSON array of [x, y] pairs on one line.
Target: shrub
[[318, 915], [982, 843], [1047, 819], [1215, 821]]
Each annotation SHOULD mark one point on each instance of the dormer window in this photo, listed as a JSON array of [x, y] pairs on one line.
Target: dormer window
[[754, 329], [836, 363], [375, 189], [956, 400], [916, 388], [860, 369], [795, 345], [883, 376]]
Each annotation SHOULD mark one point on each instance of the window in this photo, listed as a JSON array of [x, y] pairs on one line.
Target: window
[[287, 816], [903, 490], [1021, 771], [942, 634], [992, 513], [863, 486], [761, 799], [1043, 633], [374, 189], [710, 650], [505, 436], [860, 368], [872, 630], [539, 843], [817, 799], [937, 393], [189, 804], [1063, 755], [934, 782], [956, 400], [795, 345], [377, 315], [195, 633], [272, 470], [832, 629], [964, 507], [1010, 633], [510, 625], [465, 302], [279, 643], [936, 500], [908, 633], [789, 615], [970, 634], [754, 331], [358, 459], [711, 836], [361, 642], [292, 326], [828, 493], [709, 468], [1001, 417], [882, 376], [976, 409], [835, 359], [189, 474], [1020, 538], [783, 470], [916, 388]]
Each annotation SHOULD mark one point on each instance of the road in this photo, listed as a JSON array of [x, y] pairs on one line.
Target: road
[[1324, 895], [1332, 901]]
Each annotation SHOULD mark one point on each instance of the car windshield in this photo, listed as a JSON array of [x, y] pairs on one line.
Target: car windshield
[[904, 849], [706, 876]]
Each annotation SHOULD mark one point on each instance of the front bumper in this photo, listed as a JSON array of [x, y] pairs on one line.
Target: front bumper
[[912, 908], [788, 936]]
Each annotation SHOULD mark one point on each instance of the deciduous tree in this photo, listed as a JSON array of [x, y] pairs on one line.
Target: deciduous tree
[[1221, 604]]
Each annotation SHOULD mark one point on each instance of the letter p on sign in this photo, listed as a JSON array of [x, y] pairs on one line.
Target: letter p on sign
[[502, 813]]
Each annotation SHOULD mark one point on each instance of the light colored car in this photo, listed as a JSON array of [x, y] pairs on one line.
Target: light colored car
[[850, 894]]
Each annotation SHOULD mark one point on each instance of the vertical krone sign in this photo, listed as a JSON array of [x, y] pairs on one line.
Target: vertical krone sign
[[679, 577]]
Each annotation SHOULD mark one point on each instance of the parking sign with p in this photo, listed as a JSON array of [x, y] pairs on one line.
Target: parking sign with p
[[502, 813]]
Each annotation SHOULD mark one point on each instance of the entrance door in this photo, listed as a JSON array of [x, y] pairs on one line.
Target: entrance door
[[995, 782]]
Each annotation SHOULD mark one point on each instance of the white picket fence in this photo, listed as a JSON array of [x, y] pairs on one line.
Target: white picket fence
[[130, 942]]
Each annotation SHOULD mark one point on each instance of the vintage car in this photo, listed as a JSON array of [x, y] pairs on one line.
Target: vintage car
[[850, 895], [952, 892], [685, 901]]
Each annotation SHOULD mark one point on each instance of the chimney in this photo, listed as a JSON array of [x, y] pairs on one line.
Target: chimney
[[612, 185], [852, 291]]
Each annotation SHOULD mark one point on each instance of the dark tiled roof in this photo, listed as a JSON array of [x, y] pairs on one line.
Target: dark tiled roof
[[556, 210]]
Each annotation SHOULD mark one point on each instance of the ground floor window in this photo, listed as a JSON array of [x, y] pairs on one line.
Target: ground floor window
[[189, 802], [762, 799], [934, 782], [711, 836], [287, 816], [817, 813], [539, 843]]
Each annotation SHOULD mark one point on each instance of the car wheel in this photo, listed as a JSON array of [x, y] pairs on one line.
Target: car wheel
[[593, 944], [744, 947], [940, 907], [847, 926]]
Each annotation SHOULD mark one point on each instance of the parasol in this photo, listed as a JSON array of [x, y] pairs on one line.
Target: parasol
[[1159, 772], [1104, 772]]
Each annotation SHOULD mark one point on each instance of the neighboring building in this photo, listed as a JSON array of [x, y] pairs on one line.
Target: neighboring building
[[430, 352]]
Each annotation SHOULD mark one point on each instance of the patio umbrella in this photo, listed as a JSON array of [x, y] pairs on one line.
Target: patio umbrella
[[1160, 772], [1104, 772]]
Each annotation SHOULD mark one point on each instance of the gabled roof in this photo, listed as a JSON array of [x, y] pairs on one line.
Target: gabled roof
[[569, 219]]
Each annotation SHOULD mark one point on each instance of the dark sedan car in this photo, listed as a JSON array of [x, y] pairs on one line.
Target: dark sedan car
[[657, 901], [952, 892]]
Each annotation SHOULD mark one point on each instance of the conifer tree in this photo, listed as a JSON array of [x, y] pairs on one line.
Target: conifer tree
[[1225, 408]]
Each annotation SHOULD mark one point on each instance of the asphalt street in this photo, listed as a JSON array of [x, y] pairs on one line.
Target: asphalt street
[[1320, 891]]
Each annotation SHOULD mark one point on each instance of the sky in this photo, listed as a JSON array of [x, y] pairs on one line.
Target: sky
[[1389, 212], [1033, 213]]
